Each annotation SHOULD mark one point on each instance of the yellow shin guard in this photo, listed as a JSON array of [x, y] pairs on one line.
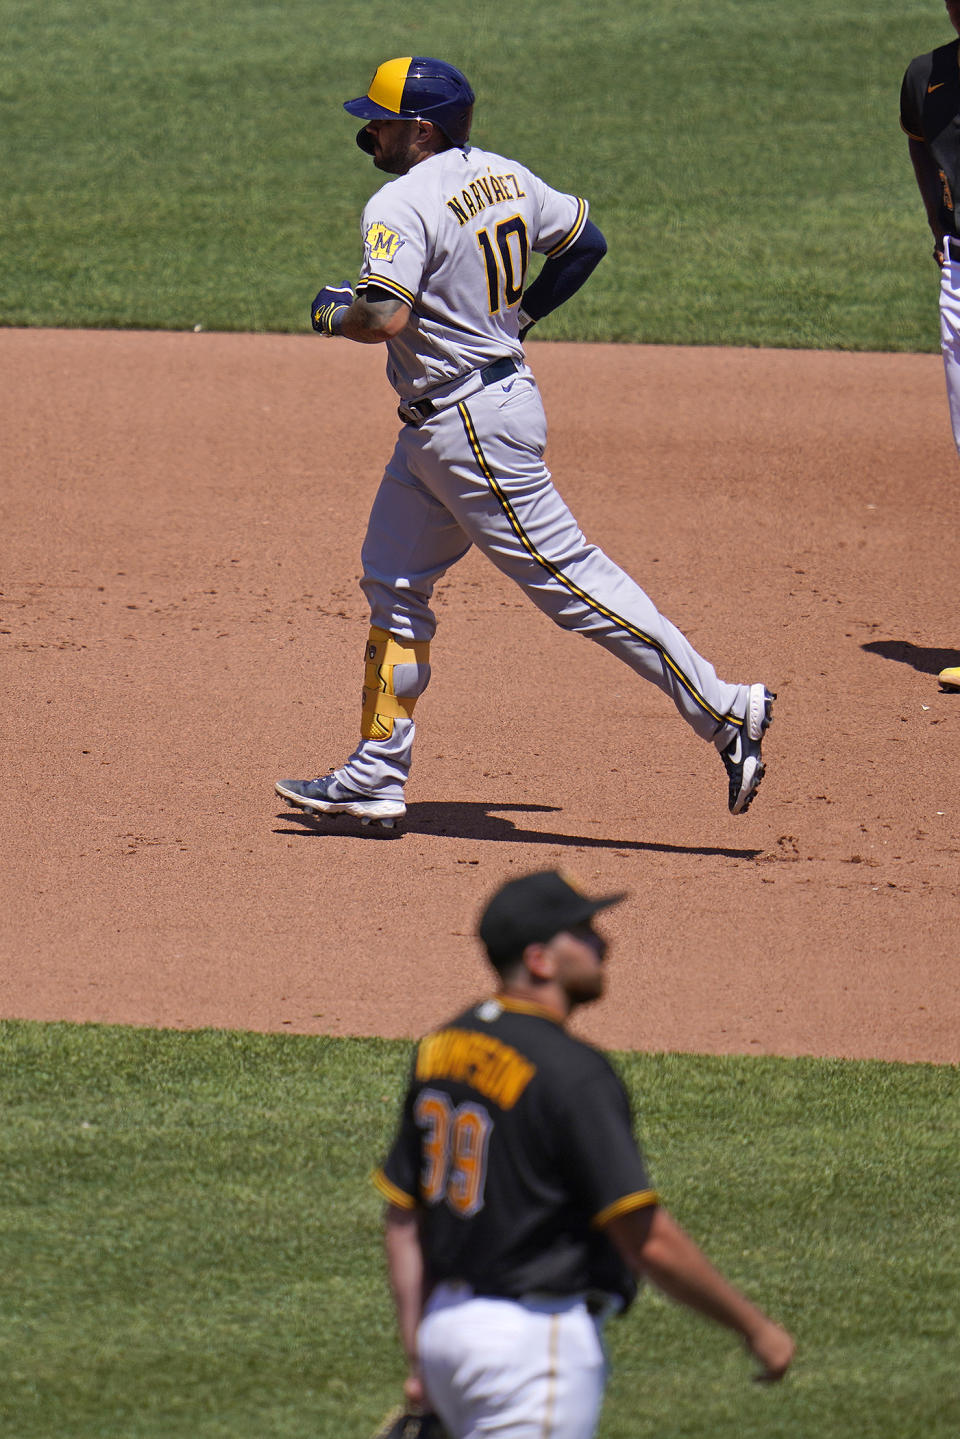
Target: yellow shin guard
[[381, 703]]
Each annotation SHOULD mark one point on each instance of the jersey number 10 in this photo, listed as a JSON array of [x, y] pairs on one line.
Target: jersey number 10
[[454, 1151], [505, 258]]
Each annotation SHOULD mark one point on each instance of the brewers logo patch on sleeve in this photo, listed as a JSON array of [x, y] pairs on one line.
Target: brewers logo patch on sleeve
[[381, 242]]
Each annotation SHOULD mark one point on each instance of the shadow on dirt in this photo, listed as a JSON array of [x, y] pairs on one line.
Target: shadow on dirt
[[918, 657], [486, 821]]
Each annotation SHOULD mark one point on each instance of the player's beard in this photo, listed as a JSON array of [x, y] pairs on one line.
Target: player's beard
[[392, 148], [584, 976], [586, 988]]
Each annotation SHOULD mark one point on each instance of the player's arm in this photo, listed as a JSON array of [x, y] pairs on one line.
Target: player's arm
[[562, 276], [653, 1244], [369, 318], [374, 317], [406, 1272], [928, 182]]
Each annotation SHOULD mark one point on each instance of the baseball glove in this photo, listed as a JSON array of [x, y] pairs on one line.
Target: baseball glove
[[410, 1424]]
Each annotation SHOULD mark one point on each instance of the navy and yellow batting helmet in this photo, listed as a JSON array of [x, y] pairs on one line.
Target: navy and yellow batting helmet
[[415, 87]]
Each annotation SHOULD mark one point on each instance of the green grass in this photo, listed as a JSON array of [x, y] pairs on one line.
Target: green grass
[[191, 1244], [190, 163]]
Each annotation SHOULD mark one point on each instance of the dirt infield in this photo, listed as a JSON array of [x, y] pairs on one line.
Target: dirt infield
[[180, 624]]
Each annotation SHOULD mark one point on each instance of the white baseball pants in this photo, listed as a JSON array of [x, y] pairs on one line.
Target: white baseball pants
[[519, 1370], [950, 330], [474, 474]]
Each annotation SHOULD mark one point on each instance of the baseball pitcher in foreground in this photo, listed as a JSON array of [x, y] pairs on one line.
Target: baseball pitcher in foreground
[[442, 286], [520, 1214]]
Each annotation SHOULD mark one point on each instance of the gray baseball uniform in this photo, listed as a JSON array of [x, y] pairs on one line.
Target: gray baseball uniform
[[446, 250], [451, 239]]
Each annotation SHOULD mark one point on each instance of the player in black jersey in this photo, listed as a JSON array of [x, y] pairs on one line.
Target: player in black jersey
[[520, 1213], [930, 117]]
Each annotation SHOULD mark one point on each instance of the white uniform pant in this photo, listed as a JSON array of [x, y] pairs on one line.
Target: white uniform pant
[[516, 1370], [474, 474], [950, 330]]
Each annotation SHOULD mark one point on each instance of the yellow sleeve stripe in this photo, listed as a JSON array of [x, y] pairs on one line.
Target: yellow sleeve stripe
[[569, 238], [390, 1192], [391, 286], [909, 133], [640, 1200]]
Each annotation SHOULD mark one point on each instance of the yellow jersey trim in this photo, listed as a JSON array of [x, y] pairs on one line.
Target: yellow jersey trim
[[390, 1192], [525, 1006], [642, 1199], [572, 234]]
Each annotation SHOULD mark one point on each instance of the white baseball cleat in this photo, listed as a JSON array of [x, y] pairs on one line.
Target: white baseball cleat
[[327, 795], [741, 757]]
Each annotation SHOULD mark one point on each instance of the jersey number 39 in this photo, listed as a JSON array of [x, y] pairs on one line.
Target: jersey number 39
[[455, 1142]]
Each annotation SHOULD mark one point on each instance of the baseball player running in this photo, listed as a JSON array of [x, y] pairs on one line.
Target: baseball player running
[[442, 286], [930, 117], [520, 1213]]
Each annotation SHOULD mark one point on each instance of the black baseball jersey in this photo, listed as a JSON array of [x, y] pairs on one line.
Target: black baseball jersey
[[516, 1141], [930, 111]]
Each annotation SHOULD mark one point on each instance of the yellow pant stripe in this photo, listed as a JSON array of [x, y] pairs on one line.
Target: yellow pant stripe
[[569, 584], [553, 1373]]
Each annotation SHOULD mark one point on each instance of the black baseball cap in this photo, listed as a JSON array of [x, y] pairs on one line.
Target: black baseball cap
[[533, 909]]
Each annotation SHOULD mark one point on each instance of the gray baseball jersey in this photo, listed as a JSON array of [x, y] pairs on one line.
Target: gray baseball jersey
[[452, 239]]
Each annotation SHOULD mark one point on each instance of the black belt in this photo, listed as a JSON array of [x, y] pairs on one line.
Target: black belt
[[489, 375], [603, 1305], [599, 1303]]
